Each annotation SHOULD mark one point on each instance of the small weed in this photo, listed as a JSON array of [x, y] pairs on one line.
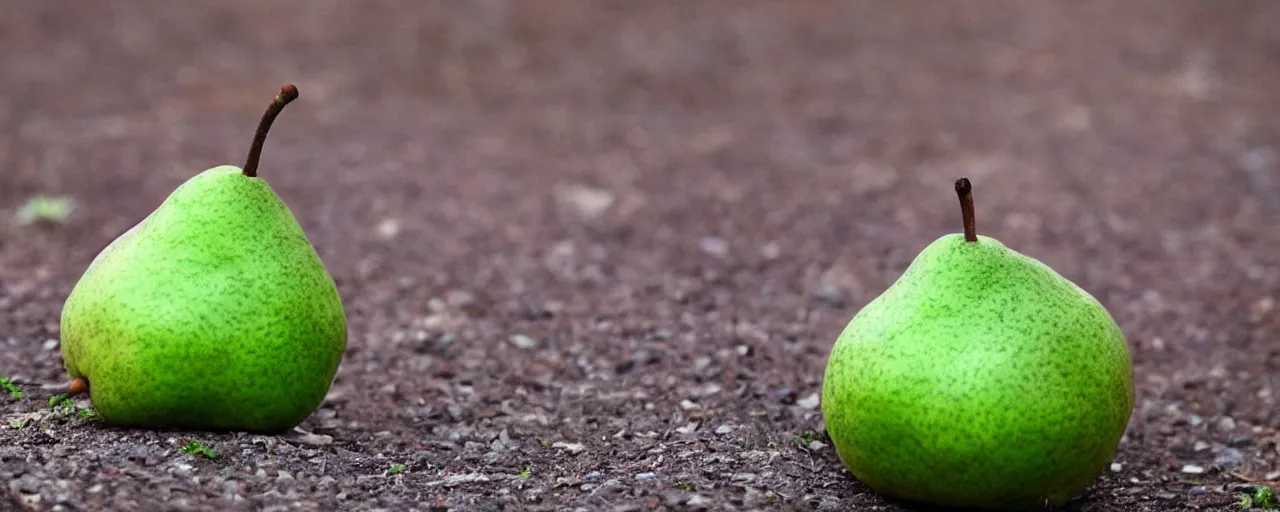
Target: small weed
[[17, 425], [528, 470], [686, 486], [8, 386], [805, 437], [56, 400], [395, 469], [1263, 497], [45, 209], [87, 413], [198, 448], [64, 405]]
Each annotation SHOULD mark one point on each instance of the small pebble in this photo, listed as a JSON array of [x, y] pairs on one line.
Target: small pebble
[[587, 201], [1192, 469], [523, 342], [388, 228], [646, 476], [610, 488], [723, 429], [810, 402], [771, 251], [817, 446], [310, 439], [1258, 160], [1116, 467], [1229, 459], [573, 448], [830, 295], [714, 246], [456, 480], [1226, 424], [708, 390]]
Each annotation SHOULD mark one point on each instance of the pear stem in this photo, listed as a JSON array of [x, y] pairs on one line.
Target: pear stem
[[964, 189], [288, 93], [77, 386]]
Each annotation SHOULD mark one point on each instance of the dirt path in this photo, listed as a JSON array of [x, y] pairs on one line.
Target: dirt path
[[594, 253]]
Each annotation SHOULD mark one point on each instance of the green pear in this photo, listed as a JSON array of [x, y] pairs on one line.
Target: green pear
[[212, 313], [980, 379]]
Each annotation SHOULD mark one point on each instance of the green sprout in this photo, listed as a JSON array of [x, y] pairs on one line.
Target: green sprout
[[198, 448], [686, 486], [45, 208], [528, 470], [55, 400], [805, 437], [1263, 497], [87, 413], [63, 402], [17, 425], [395, 469], [7, 385]]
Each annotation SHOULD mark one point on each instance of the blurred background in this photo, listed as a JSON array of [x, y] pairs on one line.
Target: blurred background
[[602, 176], [1116, 140]]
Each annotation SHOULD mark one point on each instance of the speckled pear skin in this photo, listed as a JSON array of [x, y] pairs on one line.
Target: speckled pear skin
[[213, 313], [980, 379]]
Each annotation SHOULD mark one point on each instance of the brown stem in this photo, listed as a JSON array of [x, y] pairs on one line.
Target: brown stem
[[77, 386], [288, 93], [964, 189]]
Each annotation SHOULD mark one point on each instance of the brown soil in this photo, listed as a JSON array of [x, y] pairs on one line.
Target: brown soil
[[594, 253]]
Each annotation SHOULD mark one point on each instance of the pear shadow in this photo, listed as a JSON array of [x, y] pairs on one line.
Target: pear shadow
[[98, 424], [1070, 506], [1075, 504]]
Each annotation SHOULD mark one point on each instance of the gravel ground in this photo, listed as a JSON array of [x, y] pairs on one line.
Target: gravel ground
[[594, 254]]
